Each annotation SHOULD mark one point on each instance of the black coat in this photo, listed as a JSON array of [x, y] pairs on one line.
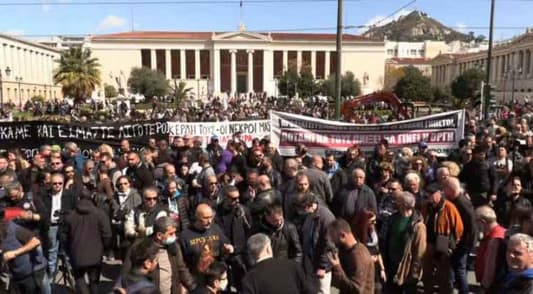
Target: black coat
[[276, 276], [364, 198], [285, 241], [86, 232], [140, 176], [236, 224], [519, 285], [470, 233], [68, 202]]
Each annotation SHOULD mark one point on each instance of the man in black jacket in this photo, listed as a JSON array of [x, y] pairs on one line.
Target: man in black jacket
[[479, 178], [315, 242], [86, 233], [354, 197], [458, 261], [57, 202], [139, 174], [272, 275], [283, 234], [236, 222]]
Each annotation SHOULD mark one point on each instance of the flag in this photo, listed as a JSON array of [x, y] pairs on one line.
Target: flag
[[241, 4]]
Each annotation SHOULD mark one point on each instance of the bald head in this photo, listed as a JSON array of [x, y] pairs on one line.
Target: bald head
[[291, 167], [452, 187], [318, 162], [204, 216], [263, 183]]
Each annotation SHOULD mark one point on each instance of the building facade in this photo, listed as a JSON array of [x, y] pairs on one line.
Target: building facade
[[26, 70], [235, 62], [426, 49], [511, 67]]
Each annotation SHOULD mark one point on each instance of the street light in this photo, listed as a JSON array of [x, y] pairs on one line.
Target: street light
[[19, 79], [8, 72], [505, 76], [514, 71]]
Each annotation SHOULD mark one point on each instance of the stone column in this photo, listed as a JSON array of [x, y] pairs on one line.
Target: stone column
[[313, 63], [233, 53], [268, 72], [197, 74], [153, 59], [285, 61], [168, 65], [326, 65], [215, 72], [250, 84], [183, 70], [298, 61]]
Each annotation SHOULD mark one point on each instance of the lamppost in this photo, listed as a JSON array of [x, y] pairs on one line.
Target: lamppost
[[505, 76], [8, 72], [514, 71], [19, 79]]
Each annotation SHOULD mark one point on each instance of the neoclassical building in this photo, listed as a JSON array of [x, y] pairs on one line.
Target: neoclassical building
[[235, 62], [26, 70], [511, 63]]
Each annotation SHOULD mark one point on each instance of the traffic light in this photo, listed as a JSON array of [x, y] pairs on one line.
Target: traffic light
[[490, 99]]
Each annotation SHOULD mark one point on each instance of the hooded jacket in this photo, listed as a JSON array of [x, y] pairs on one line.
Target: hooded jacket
[[86, 232]]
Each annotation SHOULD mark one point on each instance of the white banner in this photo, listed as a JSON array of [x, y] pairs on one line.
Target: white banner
[[223, 130], [441, 132]]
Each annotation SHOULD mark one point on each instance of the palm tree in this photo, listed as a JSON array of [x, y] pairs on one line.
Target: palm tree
[[78, 73], [180, 91]]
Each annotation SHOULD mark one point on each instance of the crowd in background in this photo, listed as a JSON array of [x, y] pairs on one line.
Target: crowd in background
[[243, 219]]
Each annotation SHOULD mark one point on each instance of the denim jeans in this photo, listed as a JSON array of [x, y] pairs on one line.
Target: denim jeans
[[53, 248], [458, 270]]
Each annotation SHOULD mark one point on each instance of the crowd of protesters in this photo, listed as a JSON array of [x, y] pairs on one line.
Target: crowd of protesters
[[243, 219]]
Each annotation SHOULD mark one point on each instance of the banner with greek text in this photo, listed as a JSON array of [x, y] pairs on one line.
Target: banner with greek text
[[30, 135], [250, 129], [442, 133]]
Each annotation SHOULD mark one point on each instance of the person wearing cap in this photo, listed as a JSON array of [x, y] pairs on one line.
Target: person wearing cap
[[479, 178], [422, 148], [444, 231]]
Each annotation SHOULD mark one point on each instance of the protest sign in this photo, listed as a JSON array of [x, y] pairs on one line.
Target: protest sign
[[441, 132]]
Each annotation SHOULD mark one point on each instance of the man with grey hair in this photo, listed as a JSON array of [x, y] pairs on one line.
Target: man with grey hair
[[405, 246], [271, 275], [490, 262], [520, 261], [458, 261], [355, 197]]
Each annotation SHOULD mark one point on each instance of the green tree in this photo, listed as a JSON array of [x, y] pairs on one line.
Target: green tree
[[78, 73], [413, 86], [110, 91], [467, 85], [349, 85], [306, 83], [179, 92], [147, 82], [287, 83], [443, 96]]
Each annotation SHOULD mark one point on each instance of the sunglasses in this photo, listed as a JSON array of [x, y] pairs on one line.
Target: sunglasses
[[57, 183], [150, 198]]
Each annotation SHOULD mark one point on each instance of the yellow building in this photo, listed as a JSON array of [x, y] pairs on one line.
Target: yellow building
[[26, 70], [511, 67], [213, 63]]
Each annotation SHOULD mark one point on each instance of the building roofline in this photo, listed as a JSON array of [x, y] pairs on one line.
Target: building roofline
[[27, 42]]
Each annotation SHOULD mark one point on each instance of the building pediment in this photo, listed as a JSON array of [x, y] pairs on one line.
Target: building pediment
[[241, 36]]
